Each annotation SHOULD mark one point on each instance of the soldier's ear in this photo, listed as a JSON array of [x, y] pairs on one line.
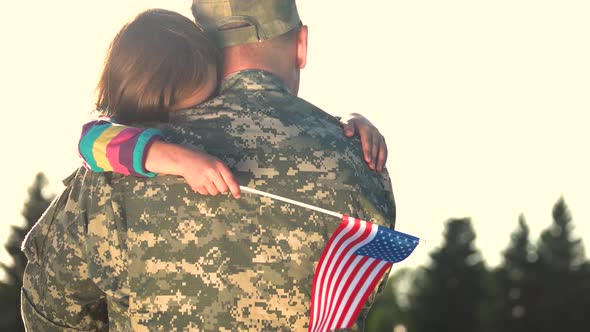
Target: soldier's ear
[[302, 47]]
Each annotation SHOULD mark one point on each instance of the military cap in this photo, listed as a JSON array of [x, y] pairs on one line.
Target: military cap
[[237, 22]]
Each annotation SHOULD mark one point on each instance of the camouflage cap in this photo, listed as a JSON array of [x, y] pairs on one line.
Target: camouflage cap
[[236, 22]]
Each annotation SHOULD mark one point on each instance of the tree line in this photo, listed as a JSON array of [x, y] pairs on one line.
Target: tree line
[[541, 287], [537, 287]]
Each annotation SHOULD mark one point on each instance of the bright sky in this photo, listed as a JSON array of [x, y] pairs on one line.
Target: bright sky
[[484, 104]]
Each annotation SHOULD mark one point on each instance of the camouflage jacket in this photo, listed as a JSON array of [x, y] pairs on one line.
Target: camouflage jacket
[[159, 257]]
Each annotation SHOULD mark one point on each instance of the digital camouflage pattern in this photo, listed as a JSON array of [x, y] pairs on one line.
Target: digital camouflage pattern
[[163, 258], [58, 287]]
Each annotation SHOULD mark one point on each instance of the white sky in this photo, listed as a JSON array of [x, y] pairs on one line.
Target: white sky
[[484, 104]]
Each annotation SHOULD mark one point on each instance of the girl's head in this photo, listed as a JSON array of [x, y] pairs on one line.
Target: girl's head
[[158, 62]]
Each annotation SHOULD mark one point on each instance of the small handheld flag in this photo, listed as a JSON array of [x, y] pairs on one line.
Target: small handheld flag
[[355, 259]]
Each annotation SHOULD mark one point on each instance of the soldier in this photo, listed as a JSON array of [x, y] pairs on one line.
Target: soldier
[[151, 255]]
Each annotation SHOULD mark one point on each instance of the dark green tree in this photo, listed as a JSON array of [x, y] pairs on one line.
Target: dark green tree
[[34, 207], [447, 295], [513, 294], [560, 270], [582, 302], [557, 248]]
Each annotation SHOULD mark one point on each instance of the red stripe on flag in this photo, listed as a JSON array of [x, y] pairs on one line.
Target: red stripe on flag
[[320, 275], [361, 292], [341, 298], [345, 259]]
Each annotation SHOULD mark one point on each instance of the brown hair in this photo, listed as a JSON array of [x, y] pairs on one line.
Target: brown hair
[[156, 60]]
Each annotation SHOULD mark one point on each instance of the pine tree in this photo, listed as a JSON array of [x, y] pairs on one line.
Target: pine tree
[[448, 294], [557, 247], [561, 262], [514, 295], [34, 207]]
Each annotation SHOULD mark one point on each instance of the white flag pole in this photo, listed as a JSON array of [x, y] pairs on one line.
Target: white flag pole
[[287, 200]]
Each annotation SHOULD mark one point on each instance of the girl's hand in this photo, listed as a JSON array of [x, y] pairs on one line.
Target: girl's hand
[[204, 173], [373, 143], [207, 175]]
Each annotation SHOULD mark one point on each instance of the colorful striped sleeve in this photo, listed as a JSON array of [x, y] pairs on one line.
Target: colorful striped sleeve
[[105, 146]]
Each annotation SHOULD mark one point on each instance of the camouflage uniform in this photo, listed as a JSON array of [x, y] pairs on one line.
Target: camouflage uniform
[[164, 258]]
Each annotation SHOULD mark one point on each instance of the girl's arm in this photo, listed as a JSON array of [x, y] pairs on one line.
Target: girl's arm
[[105, 146]]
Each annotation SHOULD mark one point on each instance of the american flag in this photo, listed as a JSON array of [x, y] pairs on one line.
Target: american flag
[[353, 262]]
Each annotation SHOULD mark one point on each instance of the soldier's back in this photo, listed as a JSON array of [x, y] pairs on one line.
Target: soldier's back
[[217, 263]]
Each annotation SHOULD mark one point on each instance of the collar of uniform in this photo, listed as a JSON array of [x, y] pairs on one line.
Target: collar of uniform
[[252, 80]]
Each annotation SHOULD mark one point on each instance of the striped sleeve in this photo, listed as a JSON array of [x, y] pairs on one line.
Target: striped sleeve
[[105, 146]]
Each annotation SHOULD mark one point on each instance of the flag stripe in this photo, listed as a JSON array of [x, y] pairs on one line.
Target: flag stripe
[[349, 291], [326, 262], [356, 238], [326, 255], [376, 272], [343, 260], [343, 284], [348, 269]]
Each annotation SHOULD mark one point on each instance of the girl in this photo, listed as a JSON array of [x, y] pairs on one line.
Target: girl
[[160, 62]]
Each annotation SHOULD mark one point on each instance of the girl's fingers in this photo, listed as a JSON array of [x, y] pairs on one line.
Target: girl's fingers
[[348, 129], [231, 182], [366, 145], [201, 190], [211, 189], [218, 182]]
